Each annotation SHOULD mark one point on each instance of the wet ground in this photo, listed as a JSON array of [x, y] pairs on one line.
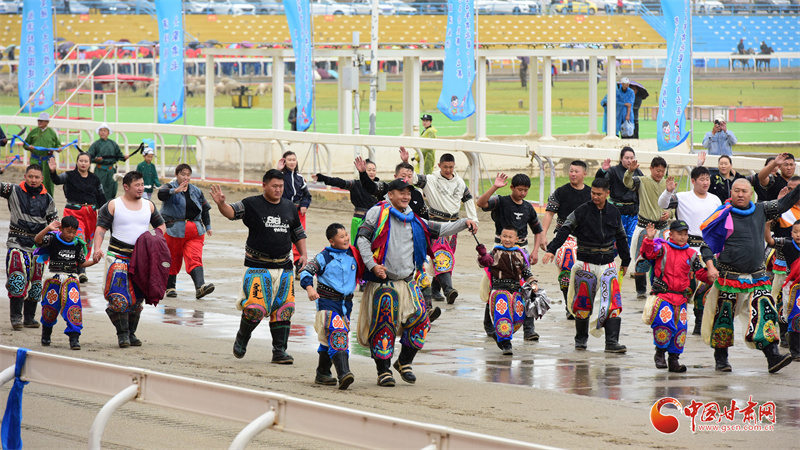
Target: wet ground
[[551, 393]]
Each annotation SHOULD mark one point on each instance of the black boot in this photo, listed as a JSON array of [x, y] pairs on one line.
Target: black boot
[[385, 378], [698, 322], [403, 364], [488, 324], [565, 291], [74, 343], [133, 324], [341, 361], [82, 275], [201, 287], [171, 291], [29, 314], [529, 329], [674, 364], [324, 370], [794, 344], [721, 360], [16, 313], [775, 360], [243, 337], [641, 286], [46, 333], [581, 333], [661, 361], [784, 328], [612, 327], [280, 341], [120, 321], [436, 290], [506, 347]]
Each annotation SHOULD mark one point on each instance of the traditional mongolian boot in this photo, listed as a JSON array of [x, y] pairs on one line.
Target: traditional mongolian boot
[[794, 344], [506, 347], [488, 325], [342, 363], [29, 314], [433, 312], [566, 308], [775, 360], [133, 324], [243, 337], [784, 328], [280, 341], [721, 360], [661, 361], [641, 286], [82, 275], [120, 321], [403, 364], [436, 290], [16, 313], [74, 343], [385, 377], [46, 333], [324, 370], [698, 322], [674, 364], [171, 291], [529, 329], [581, 333], [612, 327], [201, 287]]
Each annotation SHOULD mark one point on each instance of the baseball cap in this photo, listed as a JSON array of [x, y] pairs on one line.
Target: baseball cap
[[678, 225], [398, 184], [625, 80], [427, 117], [148, 151]]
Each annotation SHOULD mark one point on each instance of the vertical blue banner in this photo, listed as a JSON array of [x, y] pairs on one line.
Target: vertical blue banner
[[299, 19], [456, 100], [170, 65], [676, 86], [36, 60]]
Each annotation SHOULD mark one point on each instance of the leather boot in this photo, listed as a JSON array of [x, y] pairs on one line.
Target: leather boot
[[784, 328], [74, 343], [641, 286], [661, 361], [794, 344], [698, 322], [201, 287], [133, 324], [171, 291], [341, 361], [120, 321], [674, 364], [16, 313], [529, 329], [243, 337], [324, 370], [403, 364], [280, 341], [775, 360], [721, 360], [581, 333], [436, 290], [612, 327], [82, 277], [29, 314], [506, 347], [46, 333], [488, 324], [385, 378]]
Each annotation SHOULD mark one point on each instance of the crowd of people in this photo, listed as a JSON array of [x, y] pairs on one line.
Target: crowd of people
[[705, 246]]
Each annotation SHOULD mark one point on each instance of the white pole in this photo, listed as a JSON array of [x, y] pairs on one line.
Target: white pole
[[373, 69]]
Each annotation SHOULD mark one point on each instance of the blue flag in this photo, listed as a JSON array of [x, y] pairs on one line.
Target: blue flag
[[297, 14], [36, 59], [170, 65], [456, 100], [676, 87]]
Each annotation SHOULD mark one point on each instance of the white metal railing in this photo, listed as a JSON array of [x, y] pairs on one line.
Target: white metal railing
[[259, 409]]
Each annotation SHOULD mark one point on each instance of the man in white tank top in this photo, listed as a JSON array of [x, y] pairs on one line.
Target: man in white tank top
[[128, 217]]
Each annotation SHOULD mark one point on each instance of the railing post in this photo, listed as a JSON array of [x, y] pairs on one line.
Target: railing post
[[99, 424], [252, 429], [241, 160]]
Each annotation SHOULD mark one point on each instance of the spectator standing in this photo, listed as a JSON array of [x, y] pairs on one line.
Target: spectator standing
[[719, 141]]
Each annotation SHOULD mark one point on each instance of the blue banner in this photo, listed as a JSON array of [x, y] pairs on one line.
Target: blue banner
[[36, 60], [456, 100], [676, 87], [299, 19], [170, 64]]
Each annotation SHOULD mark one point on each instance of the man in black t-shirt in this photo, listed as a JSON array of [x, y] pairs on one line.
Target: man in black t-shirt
[[772, 184], [513, 210], [268, 282], [562, 202]]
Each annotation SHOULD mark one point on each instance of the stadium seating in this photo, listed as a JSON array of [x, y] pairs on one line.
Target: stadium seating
[[722, 33]]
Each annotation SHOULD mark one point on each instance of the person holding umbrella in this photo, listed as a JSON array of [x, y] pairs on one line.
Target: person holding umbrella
[[641, 94]]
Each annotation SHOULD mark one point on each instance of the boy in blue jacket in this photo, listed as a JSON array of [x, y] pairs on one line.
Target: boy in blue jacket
[[337, 270]]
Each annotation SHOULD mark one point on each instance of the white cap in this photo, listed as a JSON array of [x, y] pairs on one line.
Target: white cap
[[720, 117], [148, 151], [44, 116], [625, 80], [104, 125]]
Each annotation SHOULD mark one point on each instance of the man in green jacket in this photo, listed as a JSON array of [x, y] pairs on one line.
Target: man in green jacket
[[42, 136], [105, 153], [429, 153]]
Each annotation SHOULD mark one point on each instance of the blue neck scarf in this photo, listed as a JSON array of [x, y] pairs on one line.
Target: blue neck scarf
[[420, 242], [744, 212]]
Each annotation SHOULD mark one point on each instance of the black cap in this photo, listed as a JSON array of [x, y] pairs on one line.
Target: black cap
[[678, 225], [427, 117], [398, 184]]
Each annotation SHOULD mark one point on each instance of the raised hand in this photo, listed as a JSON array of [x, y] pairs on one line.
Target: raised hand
[[606, 164], [182, 187], [633, 165], [671, 184], [281, 164], [781, 158], [54, 225], [701, 158], [651, 231], [216, 194], [360, 164], [403, 154], [52, 164], [501, 180], [783, 192]]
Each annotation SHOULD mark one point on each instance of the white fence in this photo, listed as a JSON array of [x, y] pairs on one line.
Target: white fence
[[259, 409]]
